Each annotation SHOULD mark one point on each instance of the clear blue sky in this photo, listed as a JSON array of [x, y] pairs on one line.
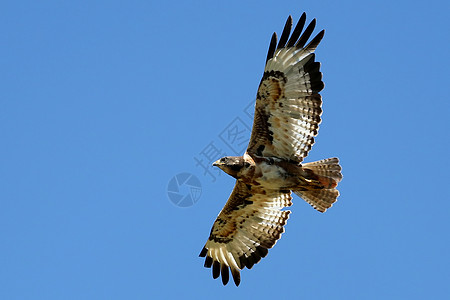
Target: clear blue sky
[[103, 102]]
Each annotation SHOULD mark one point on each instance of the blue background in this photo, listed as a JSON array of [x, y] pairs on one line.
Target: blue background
[[103, 102]]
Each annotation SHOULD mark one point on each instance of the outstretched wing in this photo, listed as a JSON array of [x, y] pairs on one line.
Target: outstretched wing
[[249, 224], [288, 104]]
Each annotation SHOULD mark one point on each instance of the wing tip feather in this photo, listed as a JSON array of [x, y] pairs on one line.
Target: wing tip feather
[[216, 269], [208, 262], [225, 274], [285, 34], [236, 276], [203, 252], [272, 46]]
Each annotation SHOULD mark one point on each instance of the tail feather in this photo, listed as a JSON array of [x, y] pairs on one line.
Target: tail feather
[[328, 173], [326, 167], [319, 199]]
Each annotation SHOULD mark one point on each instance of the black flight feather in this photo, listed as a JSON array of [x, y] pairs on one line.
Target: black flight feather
[[208, 262], [306, 34], [316, 40], [236, 276], [285, 34], [297, 31], [216, 269], [273, 44], [262, 251], [203, 252], [225, 274]]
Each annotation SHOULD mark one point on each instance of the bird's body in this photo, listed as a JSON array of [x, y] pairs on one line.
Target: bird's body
[[287, 117], [272, 173]]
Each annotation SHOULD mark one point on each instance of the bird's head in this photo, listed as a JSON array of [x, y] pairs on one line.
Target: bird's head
[[230, 164]]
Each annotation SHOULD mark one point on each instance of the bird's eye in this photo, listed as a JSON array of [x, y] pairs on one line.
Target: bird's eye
[[222, 159]]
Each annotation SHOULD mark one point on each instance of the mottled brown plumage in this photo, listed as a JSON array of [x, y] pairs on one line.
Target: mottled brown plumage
[[287, 118]]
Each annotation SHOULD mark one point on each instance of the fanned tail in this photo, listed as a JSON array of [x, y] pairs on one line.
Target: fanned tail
[[328, 173]]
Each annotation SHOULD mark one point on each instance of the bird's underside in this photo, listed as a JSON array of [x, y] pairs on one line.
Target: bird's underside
[[287, 117]]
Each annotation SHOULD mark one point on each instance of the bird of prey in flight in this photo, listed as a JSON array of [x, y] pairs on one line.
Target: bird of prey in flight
[[287, 116]]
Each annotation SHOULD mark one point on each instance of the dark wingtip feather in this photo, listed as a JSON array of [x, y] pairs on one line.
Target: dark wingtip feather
[[248, 261], [315, 76], [273, 44], [316, 40], [306, 34], [216, 269], [236, 276], [297, 30], [225, 274], [286, 31], [242, 261], [262, 251], [203, 252], [256, 257], [208, 262], [303, 16]]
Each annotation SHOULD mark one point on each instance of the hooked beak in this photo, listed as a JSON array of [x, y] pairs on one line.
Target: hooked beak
[[216, 163]]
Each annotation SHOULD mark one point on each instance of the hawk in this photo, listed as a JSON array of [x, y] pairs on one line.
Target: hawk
[[287, 116]]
